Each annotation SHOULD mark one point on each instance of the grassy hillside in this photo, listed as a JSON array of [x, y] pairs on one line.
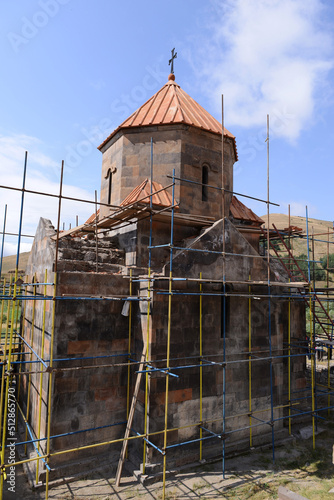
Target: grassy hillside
[[9, 263], [317, 227]]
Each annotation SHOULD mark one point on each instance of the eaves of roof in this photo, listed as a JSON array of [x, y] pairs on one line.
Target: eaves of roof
[[172, 105]]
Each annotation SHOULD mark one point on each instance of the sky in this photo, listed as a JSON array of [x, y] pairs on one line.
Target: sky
[[73, 70]]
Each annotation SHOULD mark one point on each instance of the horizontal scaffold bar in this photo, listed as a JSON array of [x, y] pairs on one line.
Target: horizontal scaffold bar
[[222, 189]]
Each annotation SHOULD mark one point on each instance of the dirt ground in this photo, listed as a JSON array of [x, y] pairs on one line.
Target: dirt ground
[[251, 475]]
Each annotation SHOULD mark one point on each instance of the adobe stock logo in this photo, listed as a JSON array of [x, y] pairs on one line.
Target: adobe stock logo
[[31, 27]]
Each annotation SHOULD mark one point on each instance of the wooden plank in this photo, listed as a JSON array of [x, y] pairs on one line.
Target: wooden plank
[[130, 419], [79, 229]]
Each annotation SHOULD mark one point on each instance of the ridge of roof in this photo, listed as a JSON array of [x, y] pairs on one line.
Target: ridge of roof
[[171, 105]]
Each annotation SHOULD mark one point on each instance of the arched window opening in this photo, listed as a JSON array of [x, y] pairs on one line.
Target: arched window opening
[[109, 177], [205, 180]]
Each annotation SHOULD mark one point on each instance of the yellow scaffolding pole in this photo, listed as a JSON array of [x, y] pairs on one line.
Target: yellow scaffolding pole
[[250, 363], [289, 362], [2, 371], [329, 348], [48, 431], [20, 355], [5, 354], [41, 377], [17, 307], [2, 304], [201, 367], [147, 358], [8, 378], [140, 436], [129, 355], [30, 364], [167, 384], [312, 367]]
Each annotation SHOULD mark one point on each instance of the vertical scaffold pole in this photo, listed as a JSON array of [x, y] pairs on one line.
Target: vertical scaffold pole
[[289, 238], [20, 356], [148, 312], [269, 305], [50, 385], [9, 381], [129, 354], [329, 347], [312, 333], [40, 396], [96, 236], [5, 346], [201, 367], [289, 360], [224, 294], [312, 366], [58, 220], [31, 354], [168, 336], [147, 360], [3, 238], [2, 310], [250, 363], [21, 211], [48, 430], [308, 249], [314, 329], [9, 361]]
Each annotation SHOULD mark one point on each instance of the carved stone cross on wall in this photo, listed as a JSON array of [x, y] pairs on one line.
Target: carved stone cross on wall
[[109, 175]]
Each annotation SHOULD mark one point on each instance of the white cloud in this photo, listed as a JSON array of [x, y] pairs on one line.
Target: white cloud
[[11, 248], [298, 208], [266, 57], [42, 175]]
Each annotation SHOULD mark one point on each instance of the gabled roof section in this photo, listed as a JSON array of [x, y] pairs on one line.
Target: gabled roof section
[[172, 105], [91, 219], [244, 214], [142, 193]]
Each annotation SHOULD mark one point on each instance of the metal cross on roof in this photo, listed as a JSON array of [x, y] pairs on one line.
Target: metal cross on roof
[[171, 61]]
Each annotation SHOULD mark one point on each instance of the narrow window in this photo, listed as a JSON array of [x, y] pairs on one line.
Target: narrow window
[[205, 179]]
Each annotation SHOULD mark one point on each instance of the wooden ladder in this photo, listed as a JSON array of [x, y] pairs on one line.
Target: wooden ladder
[[130, 419]]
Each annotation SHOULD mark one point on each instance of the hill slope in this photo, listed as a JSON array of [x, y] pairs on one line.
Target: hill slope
[[315, 226], [9, 263]]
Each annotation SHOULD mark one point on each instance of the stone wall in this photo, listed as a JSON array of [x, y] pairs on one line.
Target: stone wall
[[180, 147], [38, 325], [89, 393], [86, 393], [132, 160], [267, 337], [91, 342], [79, 254]]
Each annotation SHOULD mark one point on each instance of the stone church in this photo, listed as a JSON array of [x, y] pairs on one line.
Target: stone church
[[168, 269]]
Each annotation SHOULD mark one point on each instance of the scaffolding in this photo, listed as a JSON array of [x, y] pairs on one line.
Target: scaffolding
[[25, 370]]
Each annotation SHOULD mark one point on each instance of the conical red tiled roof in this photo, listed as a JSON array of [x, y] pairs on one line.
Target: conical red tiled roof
[[171, 105]]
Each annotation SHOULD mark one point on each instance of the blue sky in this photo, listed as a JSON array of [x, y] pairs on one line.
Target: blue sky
[[73, 70]]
